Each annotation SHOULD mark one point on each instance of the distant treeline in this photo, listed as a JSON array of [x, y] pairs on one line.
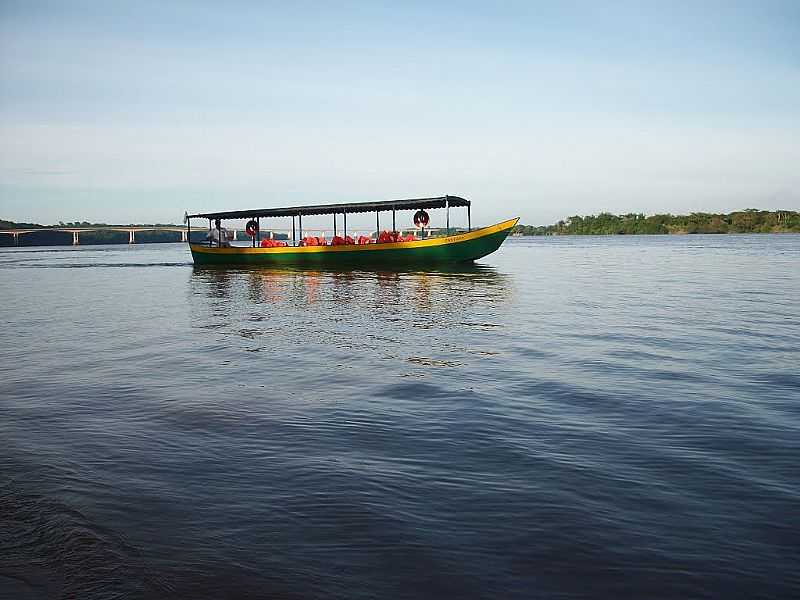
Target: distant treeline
[[14, 225], [750, 220]]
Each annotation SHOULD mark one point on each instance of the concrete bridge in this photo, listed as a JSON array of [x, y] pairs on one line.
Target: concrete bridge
[[76, 231], [131, 231]]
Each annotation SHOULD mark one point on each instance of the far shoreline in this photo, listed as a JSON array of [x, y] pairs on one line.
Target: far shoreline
[[750, 220], [744, 222]]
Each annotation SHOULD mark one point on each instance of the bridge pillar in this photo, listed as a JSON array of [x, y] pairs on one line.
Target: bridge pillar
[[75, 240], [131, 237], [183, 236]]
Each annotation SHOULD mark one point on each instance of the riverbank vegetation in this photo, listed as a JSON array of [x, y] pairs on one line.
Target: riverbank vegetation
[[750, 220]]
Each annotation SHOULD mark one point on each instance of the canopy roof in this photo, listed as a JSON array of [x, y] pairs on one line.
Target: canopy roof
[[329, 209]]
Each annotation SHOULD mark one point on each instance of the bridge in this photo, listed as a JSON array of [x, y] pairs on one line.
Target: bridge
[[131, 230], [76, 231]]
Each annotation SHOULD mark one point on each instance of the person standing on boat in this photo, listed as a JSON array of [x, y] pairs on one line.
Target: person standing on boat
[[219, 235]]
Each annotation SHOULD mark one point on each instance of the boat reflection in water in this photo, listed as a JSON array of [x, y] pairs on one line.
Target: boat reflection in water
[[359, 307]]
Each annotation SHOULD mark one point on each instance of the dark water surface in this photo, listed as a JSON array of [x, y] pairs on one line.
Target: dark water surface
[[574, 418]]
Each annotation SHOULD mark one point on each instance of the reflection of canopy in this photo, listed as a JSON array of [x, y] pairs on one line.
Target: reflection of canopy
[[329, 209]]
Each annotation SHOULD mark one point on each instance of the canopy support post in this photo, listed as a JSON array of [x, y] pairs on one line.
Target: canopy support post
[[210, 237], [188, 230], [377, 223], [300, 219], [394, 227], [447, 204], [344, 216], [334, 224], [294, 241], [258, 232], [469, 219]]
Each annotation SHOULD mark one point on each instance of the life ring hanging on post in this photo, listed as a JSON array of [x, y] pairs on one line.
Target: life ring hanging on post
[[251, 228], [421, 219]]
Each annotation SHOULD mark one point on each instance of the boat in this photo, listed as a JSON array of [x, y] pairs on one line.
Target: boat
[[387, 249]]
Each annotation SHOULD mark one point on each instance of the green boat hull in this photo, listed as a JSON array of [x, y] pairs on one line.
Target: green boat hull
[[462, 248]]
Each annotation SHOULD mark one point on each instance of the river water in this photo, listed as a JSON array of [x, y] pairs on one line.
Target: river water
[[576, 417]]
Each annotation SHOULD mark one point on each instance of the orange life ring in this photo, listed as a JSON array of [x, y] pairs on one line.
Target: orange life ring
[[421, 219], [251, 228]]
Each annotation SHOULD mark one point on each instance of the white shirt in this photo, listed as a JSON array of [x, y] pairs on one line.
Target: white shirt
[[214, 236]]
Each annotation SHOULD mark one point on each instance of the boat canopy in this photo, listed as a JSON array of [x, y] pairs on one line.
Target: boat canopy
[[329, 209]]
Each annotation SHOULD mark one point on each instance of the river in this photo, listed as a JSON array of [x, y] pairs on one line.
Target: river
[[574, 417]]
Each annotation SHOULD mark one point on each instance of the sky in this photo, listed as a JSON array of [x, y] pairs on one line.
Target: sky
[[116, 111]]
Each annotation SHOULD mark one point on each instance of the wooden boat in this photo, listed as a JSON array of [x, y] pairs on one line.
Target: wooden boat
[[461, 247]]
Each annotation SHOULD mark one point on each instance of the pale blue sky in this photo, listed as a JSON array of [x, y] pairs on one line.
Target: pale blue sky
[[123, 111]]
